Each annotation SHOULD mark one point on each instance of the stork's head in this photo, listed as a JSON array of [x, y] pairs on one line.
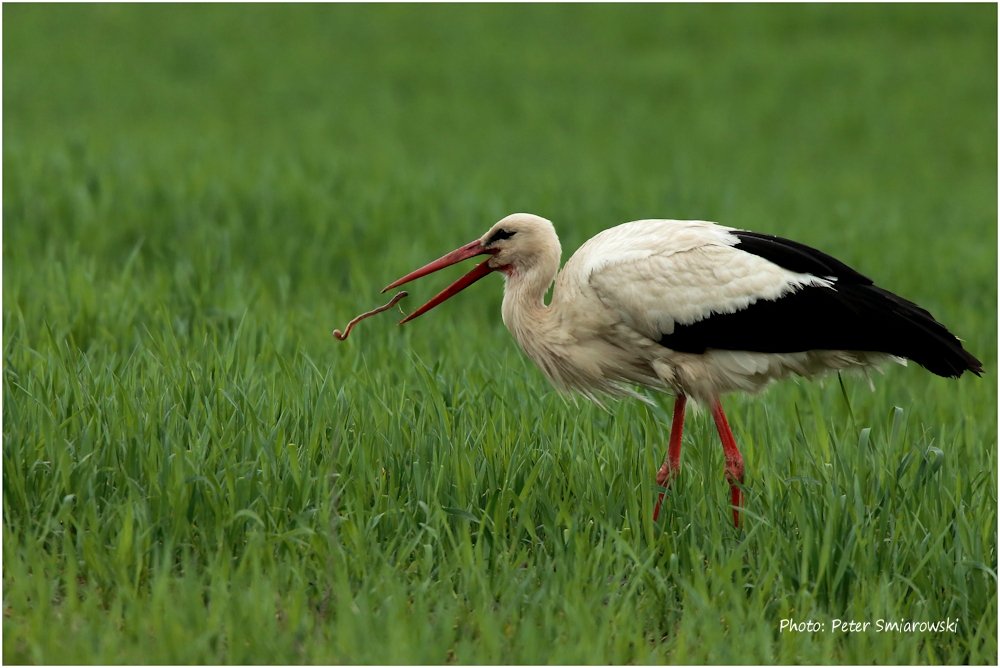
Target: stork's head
[[523, 246], [520, 243]]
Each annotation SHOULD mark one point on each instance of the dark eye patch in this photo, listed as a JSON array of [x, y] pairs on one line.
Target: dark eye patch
[[498, 235]]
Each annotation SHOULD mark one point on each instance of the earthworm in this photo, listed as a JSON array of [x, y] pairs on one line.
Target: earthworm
[[347, 331]]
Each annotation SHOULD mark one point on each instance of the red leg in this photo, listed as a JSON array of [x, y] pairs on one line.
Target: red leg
[[734, 460], [672, 464]]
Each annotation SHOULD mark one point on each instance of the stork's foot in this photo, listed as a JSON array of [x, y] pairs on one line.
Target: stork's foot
[[672, 464], [664, 477], [735, 475], [734, 460]]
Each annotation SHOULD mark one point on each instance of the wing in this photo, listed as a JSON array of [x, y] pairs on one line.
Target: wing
[[694, 286], [661, 276]]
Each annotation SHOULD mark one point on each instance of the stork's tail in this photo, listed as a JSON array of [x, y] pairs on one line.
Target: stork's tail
[[915, 334]]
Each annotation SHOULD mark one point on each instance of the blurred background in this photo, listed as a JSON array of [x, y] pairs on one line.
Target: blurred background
[[296, 144], [194, 196]]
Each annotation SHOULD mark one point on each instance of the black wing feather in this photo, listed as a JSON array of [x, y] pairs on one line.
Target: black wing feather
[[854, 314], [797, 257]]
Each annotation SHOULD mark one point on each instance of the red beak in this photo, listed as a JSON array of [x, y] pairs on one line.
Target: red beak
[[470, 249]]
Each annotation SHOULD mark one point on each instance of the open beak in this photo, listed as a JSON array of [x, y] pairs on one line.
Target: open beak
[[470, 249]]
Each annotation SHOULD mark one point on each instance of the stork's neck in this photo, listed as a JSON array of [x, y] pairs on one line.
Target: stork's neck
[[524, 310]]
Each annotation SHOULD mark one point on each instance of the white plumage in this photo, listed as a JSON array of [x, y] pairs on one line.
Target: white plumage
[[693, 308], [630, 285]]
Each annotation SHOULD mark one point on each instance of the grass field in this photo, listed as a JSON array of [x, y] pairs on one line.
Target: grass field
[[195, 471]]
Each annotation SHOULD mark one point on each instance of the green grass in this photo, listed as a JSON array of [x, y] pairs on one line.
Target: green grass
[[195, 471]]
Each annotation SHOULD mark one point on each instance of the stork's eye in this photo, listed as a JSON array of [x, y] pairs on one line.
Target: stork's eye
[[498, 235]]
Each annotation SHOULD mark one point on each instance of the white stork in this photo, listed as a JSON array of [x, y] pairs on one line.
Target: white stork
[[696, 309]]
